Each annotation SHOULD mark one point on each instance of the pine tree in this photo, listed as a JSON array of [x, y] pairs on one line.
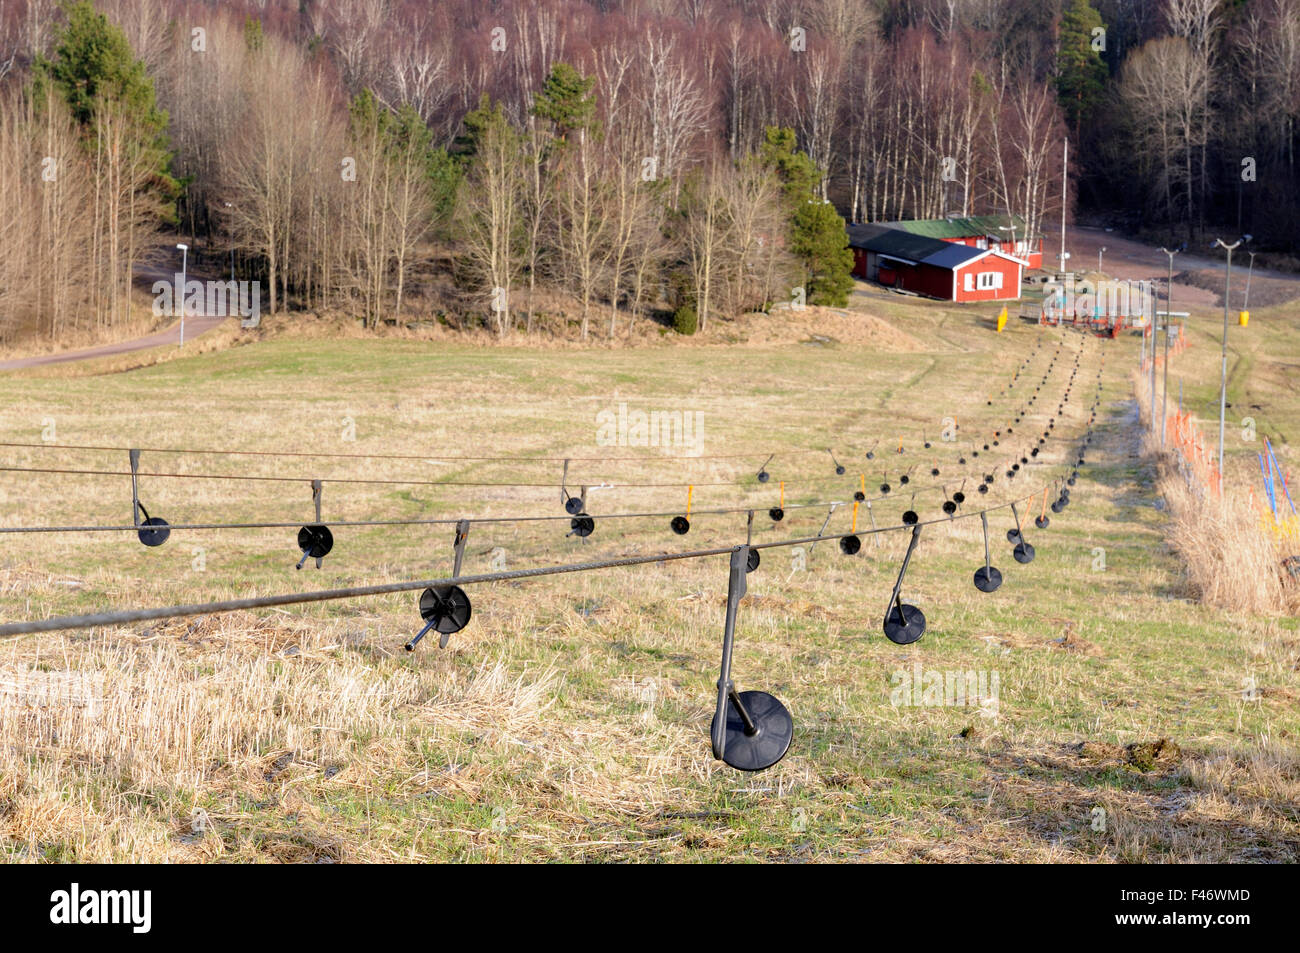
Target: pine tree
[[566, 100], [819, 240], [1081, 73], [112, 99], [817, 234]]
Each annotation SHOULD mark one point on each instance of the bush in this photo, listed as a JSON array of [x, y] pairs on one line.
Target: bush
[[685, 320]]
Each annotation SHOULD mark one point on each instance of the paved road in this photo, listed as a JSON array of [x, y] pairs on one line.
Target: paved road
[[146, 273], [172, 335]]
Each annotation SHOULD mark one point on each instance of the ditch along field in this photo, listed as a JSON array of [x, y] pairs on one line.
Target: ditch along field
[[570, 719]]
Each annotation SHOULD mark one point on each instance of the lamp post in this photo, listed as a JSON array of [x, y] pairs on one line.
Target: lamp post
[[1169, 316], [1223, 376], [185, 256], [232, 250], [1100, 252]]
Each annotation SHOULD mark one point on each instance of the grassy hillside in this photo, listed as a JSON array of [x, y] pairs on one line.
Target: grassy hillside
[[570, 719]]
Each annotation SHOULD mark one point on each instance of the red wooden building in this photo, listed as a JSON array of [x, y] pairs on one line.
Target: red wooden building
[[952, 271], [1004, 233]]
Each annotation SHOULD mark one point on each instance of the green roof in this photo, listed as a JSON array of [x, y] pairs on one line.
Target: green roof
[[968, 227]]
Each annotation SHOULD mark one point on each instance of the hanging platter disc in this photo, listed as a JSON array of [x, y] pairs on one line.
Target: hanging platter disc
[[776, 514], [752, 560], [681, 525], [768, 745], [573, 506], [905, 624], [315, 540], [1024, 552], [988, 579], [447, 607], [1013, 535], [582, 526], [850, 545], [1042, 522], [155, 536]]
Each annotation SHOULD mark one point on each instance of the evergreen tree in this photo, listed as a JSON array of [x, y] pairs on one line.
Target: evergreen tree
[[817, 235], [799, 176], [567, 101], [819, 240], [94, 69], [1080, 72]]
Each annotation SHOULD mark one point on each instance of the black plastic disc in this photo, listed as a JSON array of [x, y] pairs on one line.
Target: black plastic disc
[[910, 517], [1013, 535], [156, 536], [849, 545], [1023, 552], [949, 507], [884, 488], [681, 525], [763, 476], [959, 497], [752, 560], [983, 487], [315, 540], [904, 478], [447, 607], [1056, 506], [988, 580], [573, 506], [1042, 522], [859, 496], [839, 471], [582, 525], [768, 745], [905, 627]]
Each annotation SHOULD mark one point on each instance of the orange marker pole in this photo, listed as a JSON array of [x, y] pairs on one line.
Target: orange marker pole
[[855, 517], [690, 491]]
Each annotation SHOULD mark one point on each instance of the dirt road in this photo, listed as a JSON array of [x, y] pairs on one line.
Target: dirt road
[[1198, 273]]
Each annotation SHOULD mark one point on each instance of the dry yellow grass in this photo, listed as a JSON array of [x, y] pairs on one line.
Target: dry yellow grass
[[570, 720]]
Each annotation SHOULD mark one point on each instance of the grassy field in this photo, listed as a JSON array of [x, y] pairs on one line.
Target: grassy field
[[570, 720]]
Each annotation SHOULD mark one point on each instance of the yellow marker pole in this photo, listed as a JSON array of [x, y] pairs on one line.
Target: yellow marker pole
[[862, 483], [855, 517], [1002, 319], [690, 491]]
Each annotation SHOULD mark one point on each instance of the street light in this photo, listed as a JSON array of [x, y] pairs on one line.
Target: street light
[[1223, 378], [232, 251], [1169, 316], [185, 257], [1100, 251]]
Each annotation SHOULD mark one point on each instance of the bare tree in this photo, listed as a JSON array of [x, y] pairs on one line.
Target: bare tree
[[488, 215]]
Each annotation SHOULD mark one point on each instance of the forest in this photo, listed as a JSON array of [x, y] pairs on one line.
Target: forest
[[500, 164]]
